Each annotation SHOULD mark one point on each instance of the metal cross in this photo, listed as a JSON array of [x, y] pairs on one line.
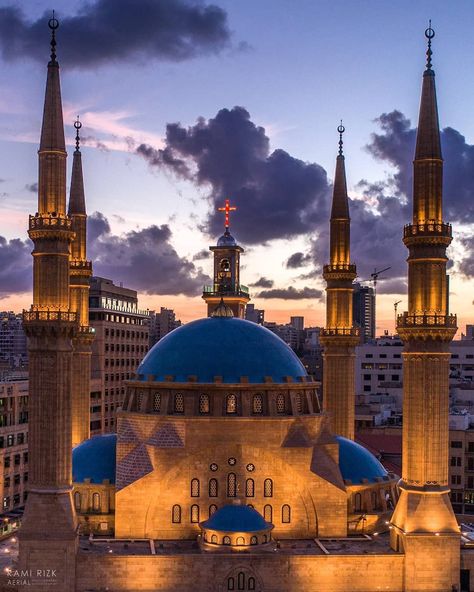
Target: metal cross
[[227, 209]]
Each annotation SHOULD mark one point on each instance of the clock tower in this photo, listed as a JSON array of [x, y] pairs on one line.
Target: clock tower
[[226, 278]]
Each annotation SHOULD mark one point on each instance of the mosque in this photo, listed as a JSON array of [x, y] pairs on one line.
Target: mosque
[[227, 472]]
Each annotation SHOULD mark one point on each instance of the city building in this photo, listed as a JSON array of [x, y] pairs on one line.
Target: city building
[[121, 341], [224, 473], [13, 346], [363, 310], [161, 323], [255, 315]]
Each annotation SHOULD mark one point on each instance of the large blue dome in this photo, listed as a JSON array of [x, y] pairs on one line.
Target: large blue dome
[[94, 459], [221, 346], [357, 463]]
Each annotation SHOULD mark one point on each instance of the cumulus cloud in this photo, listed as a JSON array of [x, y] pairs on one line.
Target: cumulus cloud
[[113, 30], [203, 254], [15, 266], [298, 260], [291, 293], [142, 259], [33, 187], [263, 282], [277, 195]]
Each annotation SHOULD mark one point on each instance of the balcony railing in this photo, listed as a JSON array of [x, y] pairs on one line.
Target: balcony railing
[[346, 331], [338, 267], [240, 290], [41, 221], [427, 320], [80, 264], [430, 227], [49, 315]]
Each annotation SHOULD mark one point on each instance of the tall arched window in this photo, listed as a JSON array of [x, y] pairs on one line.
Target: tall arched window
[[77, 500], [212, 510], [179, 403], [194, 513], [253, 540], [157, 402], [299, 403], [195, 488], [231, 485], [95, 502], [240, 541], [257, 406], [231, 404], [280, 403], [251, 584], [176, 514], [268, 513], [203, 404], [230, 583], [268, 488], [213, 488], [286, 514], [214, 538], [357, 502], [226, 540], [250, 488]]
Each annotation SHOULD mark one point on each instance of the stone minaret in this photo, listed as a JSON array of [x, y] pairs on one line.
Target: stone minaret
[[80, 272], [340, 337], [423, 524], [48, 532]]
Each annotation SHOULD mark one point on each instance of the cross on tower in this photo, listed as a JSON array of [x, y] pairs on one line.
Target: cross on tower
[[227, 209]]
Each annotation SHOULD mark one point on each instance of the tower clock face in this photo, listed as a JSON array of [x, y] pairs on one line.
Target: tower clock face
[[224, 265]]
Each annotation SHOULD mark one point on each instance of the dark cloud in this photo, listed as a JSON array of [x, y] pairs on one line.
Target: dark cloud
[[277, 195], [15, 266], [113, 30], [142, 259], [203, 254], [298, 260], [291, 293], [263, 282], [33, 187], [391, 286]]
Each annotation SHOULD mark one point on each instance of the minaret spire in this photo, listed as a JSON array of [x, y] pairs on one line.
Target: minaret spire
[[339, 337], [77, 204], [424, 510]]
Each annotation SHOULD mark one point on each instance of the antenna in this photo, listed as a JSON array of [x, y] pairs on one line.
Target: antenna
[[395, 307]]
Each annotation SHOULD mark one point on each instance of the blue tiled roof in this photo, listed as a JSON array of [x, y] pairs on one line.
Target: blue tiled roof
[[236, 518], [357, 463], [94, 459], [219, 346]]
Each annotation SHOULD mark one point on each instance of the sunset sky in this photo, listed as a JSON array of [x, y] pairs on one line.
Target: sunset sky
[[186, 103]]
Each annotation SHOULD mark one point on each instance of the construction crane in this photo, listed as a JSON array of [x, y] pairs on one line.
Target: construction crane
[[375, 275], [395, 307], [374, 278]]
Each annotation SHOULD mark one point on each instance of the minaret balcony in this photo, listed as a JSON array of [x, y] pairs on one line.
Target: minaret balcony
[[79, 267], [240, 290], [35, 315], [52, 220], [406, 320], [431, 229], [340, 267], [341, 331]]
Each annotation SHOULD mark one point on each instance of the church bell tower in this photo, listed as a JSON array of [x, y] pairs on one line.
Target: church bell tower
[[226, 285]]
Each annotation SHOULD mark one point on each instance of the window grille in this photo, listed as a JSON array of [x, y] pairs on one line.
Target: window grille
[[204, 404], [268, 488], [212, 510], [268, 513], [96, 502], [176, 515], [299, 403], [157, 402], [231, 485], [250, 488], [286, 514], [194, 513], [253, 540], [231, 404], [226, 540], [213, 488], [179, 403], [258, 404], [195, 488], [230, 582], [280, 403]]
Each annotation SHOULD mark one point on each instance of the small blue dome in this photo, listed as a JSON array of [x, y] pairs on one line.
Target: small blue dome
[[236, 518], [357, 463], [221, 346], [94, 459], [226, 240]]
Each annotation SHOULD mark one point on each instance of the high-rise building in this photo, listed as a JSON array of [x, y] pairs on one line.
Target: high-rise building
[[255, 315], [297, 323], [340, 336], [363, 310], [13, 345], [226, 285], [121, 342], [161, 323]]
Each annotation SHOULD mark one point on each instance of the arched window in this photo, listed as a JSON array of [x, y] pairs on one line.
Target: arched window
[[195, 488], [268, 513], [212, 510], [194, 513], [231, 404], [176, 514], [178, 403], [357, 502], [253, 540], [280, 404], [286, 514], [213, 488], [268, 488], [95, 502], [251, 584], [214, 538], [257, 406], [250, 488], [226, 540], [203, 404], [230, 582], [240, 541], [231, 485], [241, 581], [157, 402], [299, 403], [77, 500], [225, 265]]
